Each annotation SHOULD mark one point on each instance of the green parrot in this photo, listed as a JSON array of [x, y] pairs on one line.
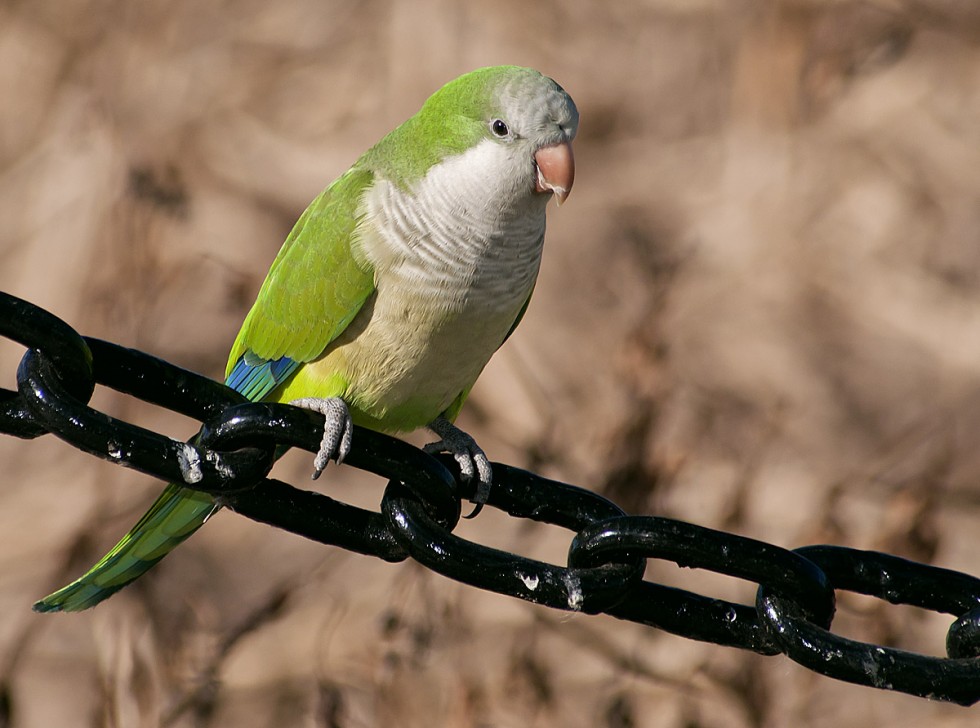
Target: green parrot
[[393, 290]]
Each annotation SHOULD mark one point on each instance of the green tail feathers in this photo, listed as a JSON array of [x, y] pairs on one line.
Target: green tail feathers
[[175, 515]]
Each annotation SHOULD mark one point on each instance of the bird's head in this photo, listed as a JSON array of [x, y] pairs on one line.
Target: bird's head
[[514, 125], [535, 116]]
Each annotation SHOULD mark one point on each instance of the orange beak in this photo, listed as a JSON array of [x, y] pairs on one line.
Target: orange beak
[[556, 170]]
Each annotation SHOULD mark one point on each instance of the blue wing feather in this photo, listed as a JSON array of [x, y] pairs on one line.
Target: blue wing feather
[[255, 377]]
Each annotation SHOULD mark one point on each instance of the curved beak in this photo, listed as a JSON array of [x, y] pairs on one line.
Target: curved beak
[[555, 170]]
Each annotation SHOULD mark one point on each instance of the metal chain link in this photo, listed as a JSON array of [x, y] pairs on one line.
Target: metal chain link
[[234, 452]]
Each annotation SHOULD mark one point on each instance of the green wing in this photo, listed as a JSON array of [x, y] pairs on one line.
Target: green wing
[[315, 286]]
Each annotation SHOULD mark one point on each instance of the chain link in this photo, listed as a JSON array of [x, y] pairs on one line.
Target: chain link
[[233, 453]]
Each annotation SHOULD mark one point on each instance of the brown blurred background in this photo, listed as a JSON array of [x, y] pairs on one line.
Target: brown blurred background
[[759, 311]]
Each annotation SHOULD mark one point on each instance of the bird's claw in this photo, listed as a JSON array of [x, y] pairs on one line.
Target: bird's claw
[[472, 461], [338, 430]]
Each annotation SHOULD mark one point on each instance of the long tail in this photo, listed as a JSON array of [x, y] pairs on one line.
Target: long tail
[[175, 515]]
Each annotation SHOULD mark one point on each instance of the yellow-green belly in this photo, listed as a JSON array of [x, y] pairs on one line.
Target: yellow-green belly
[[400, 364]]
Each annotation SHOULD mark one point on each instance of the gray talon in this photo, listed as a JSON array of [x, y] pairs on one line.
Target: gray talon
[[470, 457], [338, 429]]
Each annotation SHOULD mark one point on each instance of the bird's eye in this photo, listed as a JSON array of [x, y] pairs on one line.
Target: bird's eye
[[499, 128]]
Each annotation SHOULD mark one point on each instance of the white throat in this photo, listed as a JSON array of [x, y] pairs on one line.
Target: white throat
[[471, 230]]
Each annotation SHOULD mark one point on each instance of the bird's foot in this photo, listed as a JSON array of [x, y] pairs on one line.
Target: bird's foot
[[470, 457], [337, 430]]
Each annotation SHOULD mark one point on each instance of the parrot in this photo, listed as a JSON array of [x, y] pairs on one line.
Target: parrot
[[392, 291]]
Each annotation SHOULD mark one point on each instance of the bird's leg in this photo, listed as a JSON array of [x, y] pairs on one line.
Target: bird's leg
[[471, 458], [337, 430]]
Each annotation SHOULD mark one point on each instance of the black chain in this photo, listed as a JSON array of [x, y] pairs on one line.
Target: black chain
[[233, 454]]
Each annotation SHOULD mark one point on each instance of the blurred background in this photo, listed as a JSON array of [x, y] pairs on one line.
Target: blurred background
[[759, 311]]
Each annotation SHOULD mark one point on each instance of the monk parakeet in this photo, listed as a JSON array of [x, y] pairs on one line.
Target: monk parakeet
[[393, 290]]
